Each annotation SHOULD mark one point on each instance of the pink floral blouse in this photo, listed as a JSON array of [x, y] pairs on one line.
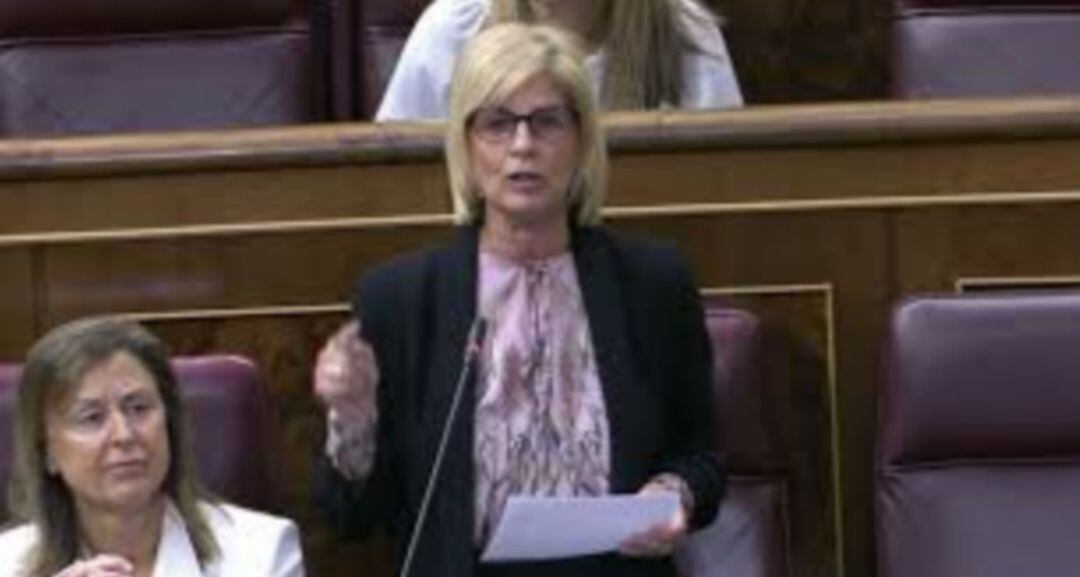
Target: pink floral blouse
[[541, 426]]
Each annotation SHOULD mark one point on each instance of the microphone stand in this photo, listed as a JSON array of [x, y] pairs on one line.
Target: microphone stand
[[473, 346]]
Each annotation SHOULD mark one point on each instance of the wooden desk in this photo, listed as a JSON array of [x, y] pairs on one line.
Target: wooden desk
[[815, 217]]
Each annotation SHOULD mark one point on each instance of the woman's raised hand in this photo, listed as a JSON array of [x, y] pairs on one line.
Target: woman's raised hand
[[346, 373]]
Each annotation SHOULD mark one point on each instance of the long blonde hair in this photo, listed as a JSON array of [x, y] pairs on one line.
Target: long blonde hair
[[644, 41], [54, 367]]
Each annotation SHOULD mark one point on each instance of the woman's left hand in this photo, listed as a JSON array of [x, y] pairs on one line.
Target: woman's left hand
[[660, 539]]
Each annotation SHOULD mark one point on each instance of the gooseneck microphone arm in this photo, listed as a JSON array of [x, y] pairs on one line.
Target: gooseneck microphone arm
[[473, 347]]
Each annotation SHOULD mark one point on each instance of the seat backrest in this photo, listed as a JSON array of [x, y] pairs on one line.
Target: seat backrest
[[960, 48], [978, 459], [383, 26], [749, 537], [9, 378], [100, 66], [228, 409]]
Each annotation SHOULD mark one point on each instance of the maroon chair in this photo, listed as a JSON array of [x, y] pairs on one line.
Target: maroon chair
[[381, 28], [9, 377], [978, 465], [749, 536], [99, 66], [228, 408], [962, 48]]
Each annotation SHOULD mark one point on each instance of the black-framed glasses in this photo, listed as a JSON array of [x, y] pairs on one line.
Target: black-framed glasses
[[498, 125]]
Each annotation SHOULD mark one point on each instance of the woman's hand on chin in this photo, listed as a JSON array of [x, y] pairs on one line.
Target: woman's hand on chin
[[99, 566]]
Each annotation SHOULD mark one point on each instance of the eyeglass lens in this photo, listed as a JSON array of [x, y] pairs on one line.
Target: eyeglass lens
[[543, 123]]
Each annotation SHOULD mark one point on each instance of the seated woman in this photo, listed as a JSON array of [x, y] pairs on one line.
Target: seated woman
[[594, 377], [103, 473], [643, 53]]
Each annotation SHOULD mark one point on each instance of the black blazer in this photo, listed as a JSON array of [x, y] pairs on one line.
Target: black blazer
[[654, 360]]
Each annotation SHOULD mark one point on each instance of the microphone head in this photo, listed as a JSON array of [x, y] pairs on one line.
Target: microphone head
[[477, 335], [479, 330]]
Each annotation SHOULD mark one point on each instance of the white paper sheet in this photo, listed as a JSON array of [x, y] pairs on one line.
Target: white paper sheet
[[534, 528]]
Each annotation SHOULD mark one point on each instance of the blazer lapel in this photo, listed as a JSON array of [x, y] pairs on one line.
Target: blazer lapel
[[455, 305], [175, 555], [600, 290]]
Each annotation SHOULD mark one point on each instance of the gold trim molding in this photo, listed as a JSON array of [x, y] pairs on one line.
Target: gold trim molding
[[615, 213], [967, 284], [826, 292], [236, 313]]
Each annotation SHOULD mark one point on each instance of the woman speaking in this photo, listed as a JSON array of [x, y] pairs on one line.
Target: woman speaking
[[594, 377]]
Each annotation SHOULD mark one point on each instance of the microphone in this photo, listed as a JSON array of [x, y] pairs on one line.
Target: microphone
[[473, 346]]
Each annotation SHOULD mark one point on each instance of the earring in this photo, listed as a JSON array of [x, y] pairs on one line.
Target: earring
[[50, 465]]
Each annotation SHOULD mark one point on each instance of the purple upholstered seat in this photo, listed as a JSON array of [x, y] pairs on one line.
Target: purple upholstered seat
[[228, 407], [958, 48], [749, 537], [382, 28], [978, 466], [89, 67], [9, 376]]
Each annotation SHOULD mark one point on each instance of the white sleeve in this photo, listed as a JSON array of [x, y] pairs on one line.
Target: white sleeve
[[350, 443], [420, 85], [16, 546], [709, 80], [288, 558], [253, 544], [708, 75]]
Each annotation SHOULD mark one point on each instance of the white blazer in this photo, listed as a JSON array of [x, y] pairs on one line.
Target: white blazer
[[252, 544], [420, 85]]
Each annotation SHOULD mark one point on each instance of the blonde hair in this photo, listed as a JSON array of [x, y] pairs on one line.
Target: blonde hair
[[54, 368], [492, 66], [644, 41]]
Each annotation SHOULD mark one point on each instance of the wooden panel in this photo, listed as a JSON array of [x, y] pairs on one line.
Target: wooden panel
[[798, 327], [17, 303], [190, 274], [247, 241], [903, 170], [285, 346], [792, 51], [227, 196], [224, 183], [845, 251], [200, 282], [1036, 246], [798, 402]]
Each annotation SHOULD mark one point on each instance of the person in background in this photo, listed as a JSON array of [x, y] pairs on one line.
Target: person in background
[[594, 378], [643, 54], [103, 481]]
